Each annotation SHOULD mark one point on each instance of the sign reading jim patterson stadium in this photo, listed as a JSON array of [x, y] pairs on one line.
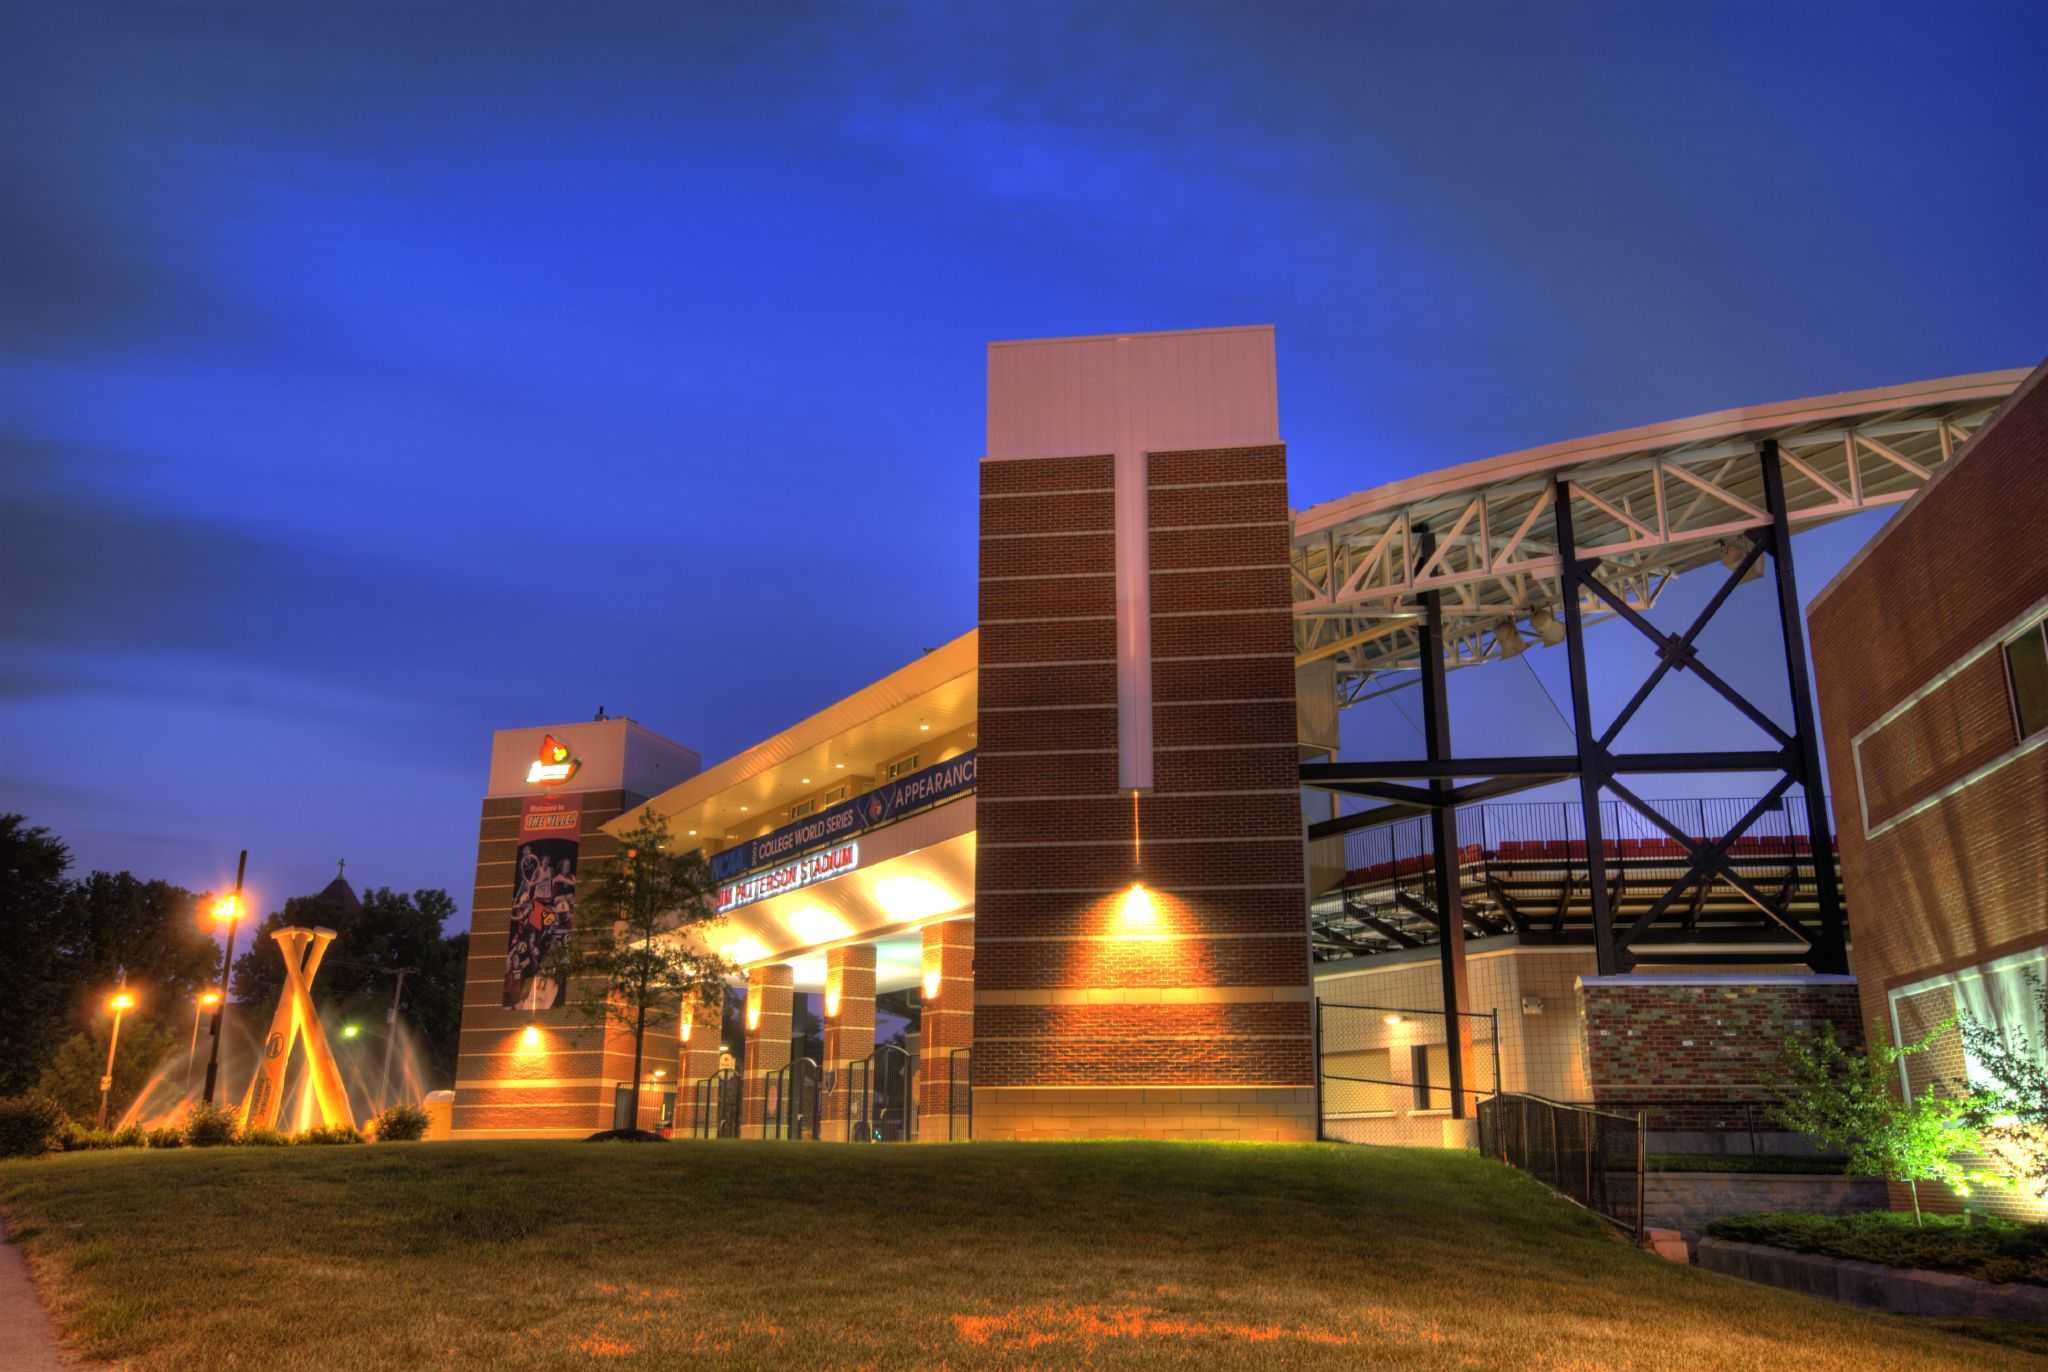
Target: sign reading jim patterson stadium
[[820, 866], [869, 810]]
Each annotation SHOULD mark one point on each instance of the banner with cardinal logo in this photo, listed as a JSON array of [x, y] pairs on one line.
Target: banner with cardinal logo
[[543, 898]]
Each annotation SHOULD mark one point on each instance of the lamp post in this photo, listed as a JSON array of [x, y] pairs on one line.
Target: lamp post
[[391, 1030], [230, 911], [205, 1000], [121, 1001]]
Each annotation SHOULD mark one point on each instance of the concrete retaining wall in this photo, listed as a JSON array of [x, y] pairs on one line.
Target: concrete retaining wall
[[1688, 1201], [1901, 1291]]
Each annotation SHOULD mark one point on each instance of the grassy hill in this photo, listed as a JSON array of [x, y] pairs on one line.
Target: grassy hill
[[542, 1256]]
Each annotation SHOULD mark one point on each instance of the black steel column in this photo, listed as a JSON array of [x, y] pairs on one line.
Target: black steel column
[[1831, 953], [1443, 819], [1592, 757]]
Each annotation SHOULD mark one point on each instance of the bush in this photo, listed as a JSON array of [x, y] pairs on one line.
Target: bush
[[30, 1125], [134, 1136], [79, 1139], [209, 1126], [400, 1124], [262, 1138], [166, 1138], [340, 1133], [1981, 1246]]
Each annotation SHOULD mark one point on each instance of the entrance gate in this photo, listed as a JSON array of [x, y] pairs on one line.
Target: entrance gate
[[791, 1108], [878, 1097], [717, 1101]]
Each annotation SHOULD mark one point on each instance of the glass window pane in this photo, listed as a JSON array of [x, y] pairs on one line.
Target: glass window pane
[[2027, 658]]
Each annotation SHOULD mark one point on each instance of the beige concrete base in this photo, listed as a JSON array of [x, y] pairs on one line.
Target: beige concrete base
[[1268, 1114]]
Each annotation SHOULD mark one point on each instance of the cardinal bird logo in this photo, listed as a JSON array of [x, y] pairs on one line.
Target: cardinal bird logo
[[554, 765]]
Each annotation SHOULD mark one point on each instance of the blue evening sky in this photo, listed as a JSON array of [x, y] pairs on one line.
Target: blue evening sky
[[372, 377]]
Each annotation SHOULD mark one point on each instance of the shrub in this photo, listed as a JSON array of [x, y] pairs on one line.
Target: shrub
[[209, 1126], [262, 1138], [166, 1138], [401, 1124], [339, 1133], [1984, 1247], [133, 1136], [30, 1125], [79, 1139]]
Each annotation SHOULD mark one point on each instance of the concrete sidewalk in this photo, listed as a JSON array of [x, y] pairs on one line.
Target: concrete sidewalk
[[28, 1341]]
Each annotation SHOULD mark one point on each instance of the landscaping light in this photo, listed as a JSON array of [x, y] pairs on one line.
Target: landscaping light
[[931, 984], [831, 1002], [753, 1014]]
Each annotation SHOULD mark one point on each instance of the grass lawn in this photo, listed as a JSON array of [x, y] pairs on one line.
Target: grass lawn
[[541, 1255]]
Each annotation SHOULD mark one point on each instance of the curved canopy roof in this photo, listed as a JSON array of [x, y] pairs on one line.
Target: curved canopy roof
[[1650, 502]]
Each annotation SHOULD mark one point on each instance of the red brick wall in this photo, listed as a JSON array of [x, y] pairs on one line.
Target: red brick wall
[[1218, 972], [1699, 1054], [493, 1052], [1959, 883]]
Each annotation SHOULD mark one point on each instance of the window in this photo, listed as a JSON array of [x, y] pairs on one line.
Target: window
[[2026, 667], [902, 767], [802, 808], [1418, 1059], [838, 793]]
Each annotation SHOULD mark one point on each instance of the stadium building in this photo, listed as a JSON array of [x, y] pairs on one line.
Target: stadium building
[[1104, 849]]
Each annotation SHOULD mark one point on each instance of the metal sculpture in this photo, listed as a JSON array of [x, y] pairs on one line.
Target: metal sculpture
[[295, 1021]]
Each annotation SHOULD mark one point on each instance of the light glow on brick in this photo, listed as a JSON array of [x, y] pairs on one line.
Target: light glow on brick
[[1137, 909]]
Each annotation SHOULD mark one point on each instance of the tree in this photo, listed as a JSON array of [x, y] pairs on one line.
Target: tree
[[375, 936], [73, 1077], [642, 956], [2013, 1114], [33, 990], [1846, 1102]]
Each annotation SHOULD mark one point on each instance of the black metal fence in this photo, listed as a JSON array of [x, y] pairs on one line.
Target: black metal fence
[[792, 1101], [1384, 1071], [715, 1104], [1594, 1157]]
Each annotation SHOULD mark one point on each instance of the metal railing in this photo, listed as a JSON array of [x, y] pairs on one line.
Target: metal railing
[[1538, 828], [1592, 1157]]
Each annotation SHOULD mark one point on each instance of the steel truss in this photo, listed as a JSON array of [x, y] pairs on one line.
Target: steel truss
[[1583, 582], [1649, 505]]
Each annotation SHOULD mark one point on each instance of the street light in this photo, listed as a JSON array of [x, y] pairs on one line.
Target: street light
[[228, 911], [205, 1000], [120, 1002]]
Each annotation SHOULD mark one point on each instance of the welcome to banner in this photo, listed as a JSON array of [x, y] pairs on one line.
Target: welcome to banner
[[869, 810]]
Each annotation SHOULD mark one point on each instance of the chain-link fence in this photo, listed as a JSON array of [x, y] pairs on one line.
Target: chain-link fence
[[1384, 1072], [1594, 1157]]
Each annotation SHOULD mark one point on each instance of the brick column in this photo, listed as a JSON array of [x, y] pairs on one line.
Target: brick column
[[696, 1059], [1143, 962], [770, 1000], [948, 992], [849, 1030]]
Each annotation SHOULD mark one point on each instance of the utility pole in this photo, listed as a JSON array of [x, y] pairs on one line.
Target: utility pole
[[391, 1030], [233, 915]]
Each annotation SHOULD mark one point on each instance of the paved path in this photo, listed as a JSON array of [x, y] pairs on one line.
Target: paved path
[[28, 1341]]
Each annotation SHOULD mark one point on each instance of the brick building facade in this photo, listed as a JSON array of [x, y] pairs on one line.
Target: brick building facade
[[1923, 648]]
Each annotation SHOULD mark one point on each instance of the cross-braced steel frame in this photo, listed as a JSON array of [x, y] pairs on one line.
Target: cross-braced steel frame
[[1597, 766]]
